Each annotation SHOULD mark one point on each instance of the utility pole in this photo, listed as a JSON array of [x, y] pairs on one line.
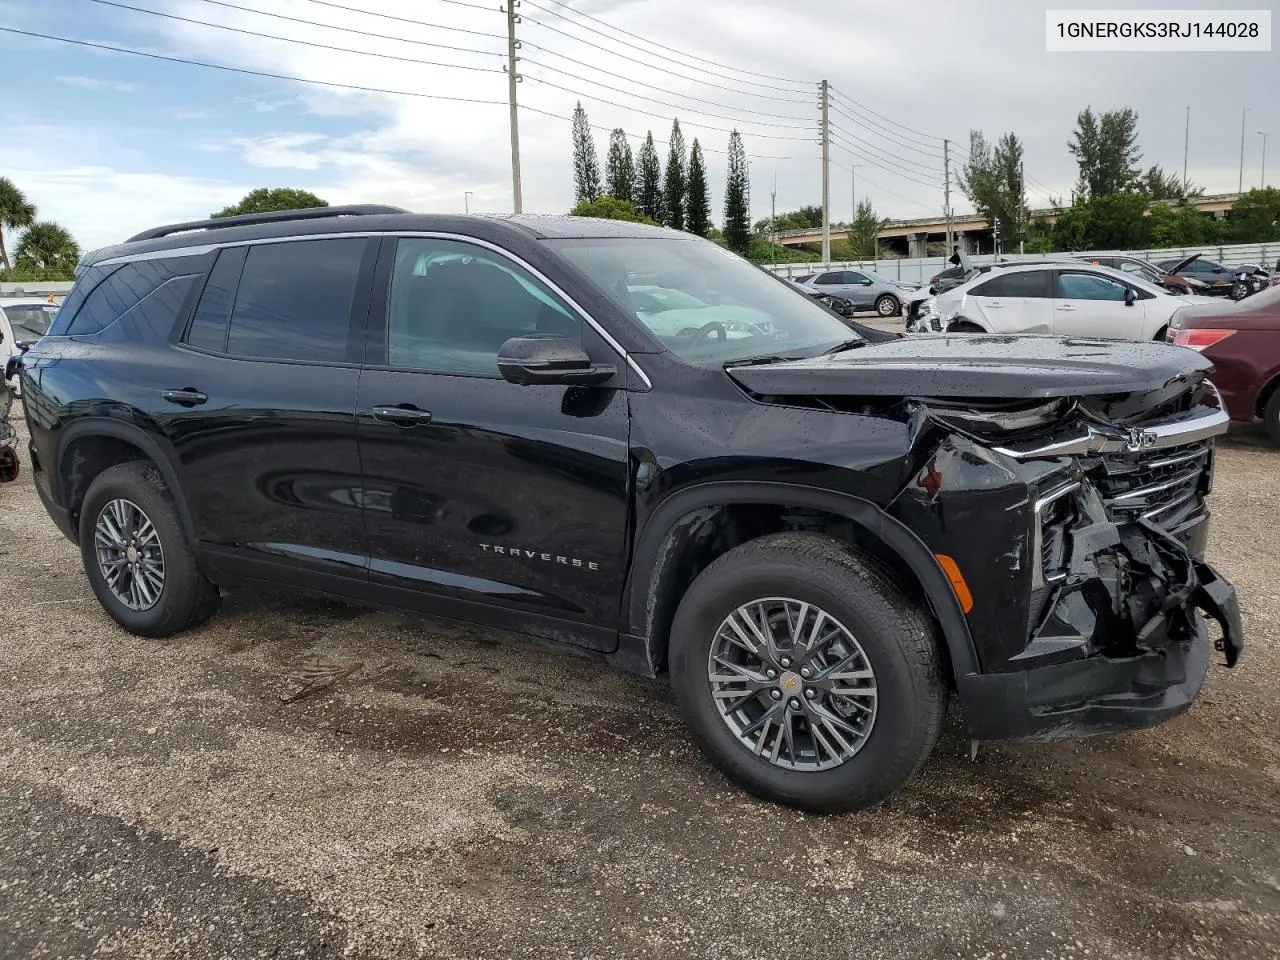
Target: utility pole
[[1240, 186], [946, 202], [466, 200], [773, 220], [1022, 207], [1186, 142], [826, 174], [1262, 179], [512, 79]]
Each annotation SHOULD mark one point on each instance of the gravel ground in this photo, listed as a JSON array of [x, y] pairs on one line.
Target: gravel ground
[[465, 796]]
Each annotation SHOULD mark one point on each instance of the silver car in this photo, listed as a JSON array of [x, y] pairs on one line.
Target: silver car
[[867, 290]]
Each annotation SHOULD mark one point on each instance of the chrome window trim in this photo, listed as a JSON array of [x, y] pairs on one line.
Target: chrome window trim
[[203, 249], [1038, 579]]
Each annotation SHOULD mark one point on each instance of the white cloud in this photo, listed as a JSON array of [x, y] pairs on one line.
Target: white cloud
[[97, 83]]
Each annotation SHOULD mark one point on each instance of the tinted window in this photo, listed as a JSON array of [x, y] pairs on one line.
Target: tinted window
[[830, 278], [30, 321], [1086, 286], [453, 305], [122, 290], [294, 300], [851, 277], [209, 325], [1030, 283]]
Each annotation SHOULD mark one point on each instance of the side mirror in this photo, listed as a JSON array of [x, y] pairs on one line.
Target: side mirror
[[550, 360], [1130, 298]]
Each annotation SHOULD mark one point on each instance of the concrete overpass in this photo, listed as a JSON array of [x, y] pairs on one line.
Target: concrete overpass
[[973, 232]]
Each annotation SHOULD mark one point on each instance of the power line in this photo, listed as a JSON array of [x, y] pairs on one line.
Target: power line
[[310, 43], [914, 203], [646, 40], [242, 70], [853, 151], [650, 86], [652, 56], [880, 151], [363, 33], [667, 103], [660, 116], [887, 134], [927, 136]]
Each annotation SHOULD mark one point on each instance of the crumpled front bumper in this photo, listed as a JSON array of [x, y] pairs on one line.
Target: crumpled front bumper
[[1123, 644]]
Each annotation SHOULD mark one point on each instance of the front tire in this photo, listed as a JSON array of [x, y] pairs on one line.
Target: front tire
[[887, 305], [964, 326], [1271, 416], [136, 554], [843, 699]]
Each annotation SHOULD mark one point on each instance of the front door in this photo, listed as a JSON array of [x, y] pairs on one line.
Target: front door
[[483, 499], [258, 400], [1091, 305], [1019, 301]]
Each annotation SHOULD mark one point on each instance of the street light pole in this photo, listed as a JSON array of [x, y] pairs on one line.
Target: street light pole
[[1240, 185], [466, 205], [1263, 177]]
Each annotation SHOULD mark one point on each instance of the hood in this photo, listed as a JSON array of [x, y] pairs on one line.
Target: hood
[[972, 366], [1183, 264]]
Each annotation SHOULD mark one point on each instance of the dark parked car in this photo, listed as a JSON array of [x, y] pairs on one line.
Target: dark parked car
[[1170, 279], [1218, 280], [1243, 341], [819, 539]]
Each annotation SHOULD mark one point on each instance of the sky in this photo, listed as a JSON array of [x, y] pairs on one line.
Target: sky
[[111, 143]]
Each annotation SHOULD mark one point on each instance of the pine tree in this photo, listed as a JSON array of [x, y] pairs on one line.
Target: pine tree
[[737, 200], [620, 168], [697, 217], [648, 191], [676, 183], [586, 165]]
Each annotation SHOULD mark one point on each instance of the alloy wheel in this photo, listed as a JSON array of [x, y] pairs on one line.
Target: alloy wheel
[[129, 554], [792, 684], [886, 307]]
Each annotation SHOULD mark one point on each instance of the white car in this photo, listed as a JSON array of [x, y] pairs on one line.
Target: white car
[[22, 320], [1064, 299]]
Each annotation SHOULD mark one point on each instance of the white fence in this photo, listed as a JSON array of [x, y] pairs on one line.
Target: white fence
[[920, 270], [35, 288]]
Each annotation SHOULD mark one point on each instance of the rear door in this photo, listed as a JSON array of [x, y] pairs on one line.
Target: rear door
[[259, 404], [1015, 302], [486, 500], [1093, 305]]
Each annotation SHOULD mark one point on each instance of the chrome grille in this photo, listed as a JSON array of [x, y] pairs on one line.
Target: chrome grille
[[1165, 486]]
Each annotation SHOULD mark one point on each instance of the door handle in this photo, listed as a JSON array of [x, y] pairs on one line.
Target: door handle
[[994, 303], [403, 415], [1065, 306], [186, 397]]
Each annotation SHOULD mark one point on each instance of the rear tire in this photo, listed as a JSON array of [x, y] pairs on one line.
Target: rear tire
[[887, 305], [964, 326], [136, 555], [1271, 416], [802, 575]]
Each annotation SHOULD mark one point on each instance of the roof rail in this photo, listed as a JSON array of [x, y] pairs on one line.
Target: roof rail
[[249, 219]]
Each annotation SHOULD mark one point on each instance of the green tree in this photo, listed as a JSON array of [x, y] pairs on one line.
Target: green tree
[[1180, 226], [992, 180], [271, 200], [676, 183], [1072, 229], [609, 208], [47, 246], [698, 198], [1255, 217], [792, 220], [737, 198], [16, 213], [1157, 185], [620, 167], [1117, 222], [648, 191], [586, 165], [1106, 150], [863, 231]]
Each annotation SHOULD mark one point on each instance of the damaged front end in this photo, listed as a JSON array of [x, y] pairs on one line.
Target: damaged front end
[[1092, 620]]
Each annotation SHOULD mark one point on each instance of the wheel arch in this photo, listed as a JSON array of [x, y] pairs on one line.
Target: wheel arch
[[102, 443], [678, 529], [1265, 393]]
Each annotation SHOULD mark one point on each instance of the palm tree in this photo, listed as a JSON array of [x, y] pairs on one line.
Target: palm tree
[[48, 246], [16, 213]]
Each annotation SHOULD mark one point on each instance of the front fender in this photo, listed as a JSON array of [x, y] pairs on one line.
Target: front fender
[[648, 602]]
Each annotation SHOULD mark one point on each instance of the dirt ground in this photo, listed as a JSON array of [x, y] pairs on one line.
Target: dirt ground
[[462, 795]]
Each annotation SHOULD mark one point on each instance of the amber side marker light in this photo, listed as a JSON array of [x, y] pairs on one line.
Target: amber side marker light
[[961, 588], [1198, 339]]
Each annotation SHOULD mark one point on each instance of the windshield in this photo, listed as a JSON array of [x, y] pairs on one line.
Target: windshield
[[703, 303], [30, 321]]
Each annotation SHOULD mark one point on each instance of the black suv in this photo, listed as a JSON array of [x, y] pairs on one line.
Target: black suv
[[627, 440]]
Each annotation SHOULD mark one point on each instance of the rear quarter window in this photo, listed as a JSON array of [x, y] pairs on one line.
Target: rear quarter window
[[120, 290]]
